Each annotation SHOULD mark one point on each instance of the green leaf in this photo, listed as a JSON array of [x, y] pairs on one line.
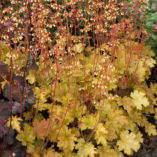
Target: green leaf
[[154, 16], [154, 36]]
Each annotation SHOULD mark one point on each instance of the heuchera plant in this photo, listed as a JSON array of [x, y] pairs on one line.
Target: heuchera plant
[[90, 86]]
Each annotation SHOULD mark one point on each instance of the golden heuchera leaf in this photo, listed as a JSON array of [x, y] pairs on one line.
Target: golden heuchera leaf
[[66, 140], [69, 154], [52, 153], [100, 134], [27, 136], [41, 94], [117, 119], [34, 154], [153, 87], [30, 148], [136, 117], [120, 54], [128, 142], [85, 149], [88, 122], [108, 152], [147, 50], [4, 83], [150, 129], [141, 71], [41, 98], [150, 62], [15, 122], [139, 99], [126, 102], [66, 99], [111, 135], [31, 77], [155, 114]]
